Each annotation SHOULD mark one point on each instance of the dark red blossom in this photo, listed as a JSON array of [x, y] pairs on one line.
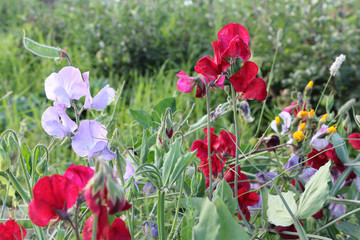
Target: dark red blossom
[[10, 230], [355, 140], [53, 196], [318, 215], [227, 144], [79, 175], [245, 81], [243, 181], [234, 41], [290, 228], [117, 231]]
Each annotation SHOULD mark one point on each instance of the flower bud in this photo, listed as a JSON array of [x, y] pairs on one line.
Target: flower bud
[[245, 111], [323, 119], [302, 126], [331, 129], [308, 88], [5, 161], [337, 64], [357, 119], [41, 167], [311, 114], [346, 107]]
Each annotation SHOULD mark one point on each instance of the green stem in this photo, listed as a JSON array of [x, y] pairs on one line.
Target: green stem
[[336, 220], [18, 187], [94, 229], [178, 206], [161, 215], [5, 200], [343, 201], [323, 92], [209, 136], [267, 89]]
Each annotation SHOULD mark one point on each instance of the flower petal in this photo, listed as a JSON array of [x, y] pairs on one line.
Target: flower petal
[[247, 73], [228, 32], [256, 89], [237, 49]]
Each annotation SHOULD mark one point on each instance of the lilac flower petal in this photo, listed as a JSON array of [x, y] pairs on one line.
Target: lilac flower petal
[[286, 117], [101, 150], [273, 126], [89, 133], [264, 179], [336, 210], [307, 174], [149, 188], [319, 144], [357, 183], [293, 160], [57, 123], [88, 98], [103, 98], [129, 172], [65, 86]]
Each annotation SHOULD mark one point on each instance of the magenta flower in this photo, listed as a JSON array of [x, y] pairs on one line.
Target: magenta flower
[[91, 141], [56, 122], [101, 100], [64, 86]]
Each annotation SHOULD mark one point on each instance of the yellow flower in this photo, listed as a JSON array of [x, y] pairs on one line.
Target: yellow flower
[[302, 114], [310, 84], [331, 129], [298, 136], [277, 120], [301, 126], [323, 119], [311, 114]]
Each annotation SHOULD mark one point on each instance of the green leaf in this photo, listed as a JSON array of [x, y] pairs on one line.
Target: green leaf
[[216, 222], [277, 213], [265, 205], [144, 148], [170, 160], [201, 184], [41, 50], [161, 107], [316, 193], [225, 193], [349, 228], [60, 234], [179, 167], [142, 117]]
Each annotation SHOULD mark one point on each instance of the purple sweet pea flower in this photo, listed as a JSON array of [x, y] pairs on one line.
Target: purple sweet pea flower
[[286, 117], [264, 179], [293, 160], [101, 100], [307, 174], [357, 183], [91, 141], [336, 210], [56, 122], [319, 144], [149, 188], [64, 86]]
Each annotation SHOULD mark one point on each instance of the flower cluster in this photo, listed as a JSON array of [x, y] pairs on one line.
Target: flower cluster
[[63, 88], [232, 43]]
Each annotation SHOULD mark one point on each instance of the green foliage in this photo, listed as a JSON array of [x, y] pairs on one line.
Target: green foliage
[[216, 222], [225, 193], [278, 213]]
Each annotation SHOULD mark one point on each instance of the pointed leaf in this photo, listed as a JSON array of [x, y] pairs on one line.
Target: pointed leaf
[[180, 166], [142, 117], [170, 160], [144, 148], [316, 193], [224, 192], [278, 214]]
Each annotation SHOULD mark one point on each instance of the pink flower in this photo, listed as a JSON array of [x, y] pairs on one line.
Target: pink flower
[[187, 84]]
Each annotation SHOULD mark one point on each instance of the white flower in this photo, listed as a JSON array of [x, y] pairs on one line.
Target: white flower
[[336, 65]]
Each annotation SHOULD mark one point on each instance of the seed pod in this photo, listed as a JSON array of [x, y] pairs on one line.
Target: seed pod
[[346, 107], [41, 167]]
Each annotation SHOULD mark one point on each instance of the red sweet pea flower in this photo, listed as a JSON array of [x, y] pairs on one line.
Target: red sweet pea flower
[[290, 228], [10, 230], [212, 67], [53, 196], [117, 231], [317, 161], [227, 144], [245, 81], [355, 142], [234, 41], [243, 181], [246, 199], [79, 175]]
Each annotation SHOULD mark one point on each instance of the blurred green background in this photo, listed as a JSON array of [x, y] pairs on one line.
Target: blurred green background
[[146, 42]]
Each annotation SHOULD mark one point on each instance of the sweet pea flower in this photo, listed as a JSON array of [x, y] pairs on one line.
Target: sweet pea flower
[[285, 127], [307, 174], [10, 230], [64, 86], [101, 100], [80, 175], [56, 122], [355, 140], [91, 141], [265, 178], [293, 161], [151, 230], [187, 84], [117, 231], [234, 42], [246, 82], [53, 196], [319, 144]]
